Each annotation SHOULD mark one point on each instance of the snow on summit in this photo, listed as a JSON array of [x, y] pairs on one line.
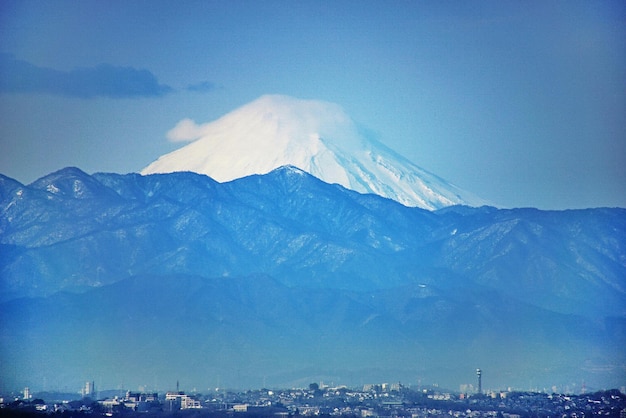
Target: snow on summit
[[315, 136]]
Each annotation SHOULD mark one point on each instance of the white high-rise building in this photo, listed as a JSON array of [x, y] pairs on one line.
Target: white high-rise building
[[88, 390]]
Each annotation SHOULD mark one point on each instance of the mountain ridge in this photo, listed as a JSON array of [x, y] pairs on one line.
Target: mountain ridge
[[299, 210], [283, 274]]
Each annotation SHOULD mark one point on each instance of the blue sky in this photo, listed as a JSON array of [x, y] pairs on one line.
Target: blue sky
[[522, 103]]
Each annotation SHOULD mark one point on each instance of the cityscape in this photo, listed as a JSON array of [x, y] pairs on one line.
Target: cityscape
[[320, 399]]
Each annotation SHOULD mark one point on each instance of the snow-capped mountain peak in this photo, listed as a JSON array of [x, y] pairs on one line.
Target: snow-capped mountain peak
[[317, 137]]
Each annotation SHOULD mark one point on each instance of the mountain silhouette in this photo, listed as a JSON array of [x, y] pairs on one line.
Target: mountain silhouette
[[287, 279]]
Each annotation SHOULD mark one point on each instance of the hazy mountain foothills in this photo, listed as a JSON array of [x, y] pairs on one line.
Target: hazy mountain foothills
[[280, 277], [254, 332]]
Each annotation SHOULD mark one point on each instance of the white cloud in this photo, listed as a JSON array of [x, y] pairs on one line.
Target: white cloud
[[185, 131]]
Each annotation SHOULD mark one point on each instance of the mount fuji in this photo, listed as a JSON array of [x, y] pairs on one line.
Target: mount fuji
[[315, 136]]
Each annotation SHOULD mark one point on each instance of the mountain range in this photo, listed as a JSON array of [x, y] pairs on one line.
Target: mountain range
[[316, 136], [282, 279]]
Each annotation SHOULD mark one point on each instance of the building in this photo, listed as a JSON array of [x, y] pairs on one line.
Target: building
[[188, 402], [89, 389], [178, 400], [141, 397]]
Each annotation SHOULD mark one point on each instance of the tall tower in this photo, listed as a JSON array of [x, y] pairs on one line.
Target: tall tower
[[89, 389], [480, 381]]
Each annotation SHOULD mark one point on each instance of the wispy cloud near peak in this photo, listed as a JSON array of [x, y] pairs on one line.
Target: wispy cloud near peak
[[186, 131], [104, 80]]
